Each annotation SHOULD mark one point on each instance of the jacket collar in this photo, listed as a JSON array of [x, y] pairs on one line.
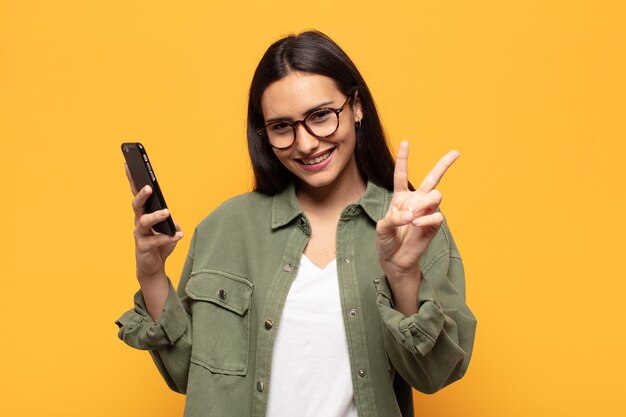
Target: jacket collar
[[286, 207]]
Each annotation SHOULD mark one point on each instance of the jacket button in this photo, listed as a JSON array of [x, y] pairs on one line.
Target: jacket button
[[346, 260], [287, 267], [260, 386], [268, 324], [221, 294], [352, 209], [361, 373], [353, 312]]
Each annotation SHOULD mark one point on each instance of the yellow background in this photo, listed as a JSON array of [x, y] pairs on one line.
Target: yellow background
[[532, 93]]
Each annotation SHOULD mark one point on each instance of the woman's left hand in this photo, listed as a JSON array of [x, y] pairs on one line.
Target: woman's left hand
[[411, 222]]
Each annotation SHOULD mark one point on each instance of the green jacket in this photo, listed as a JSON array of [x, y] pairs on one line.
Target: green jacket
[[213, 340]]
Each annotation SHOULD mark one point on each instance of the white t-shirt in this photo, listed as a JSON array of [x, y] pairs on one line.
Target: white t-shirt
[[310, 363]]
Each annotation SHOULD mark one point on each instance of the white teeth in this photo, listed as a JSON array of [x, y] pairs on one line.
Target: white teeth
[[316, 160]]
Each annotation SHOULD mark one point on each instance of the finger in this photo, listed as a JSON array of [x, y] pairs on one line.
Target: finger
[[387, 226], [435, 219], [133, 189], [145, 223], [400, 172], [148, 243], [140, 200], [430, 201], [434, 176]]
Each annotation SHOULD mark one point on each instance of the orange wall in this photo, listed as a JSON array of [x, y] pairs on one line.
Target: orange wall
[[532, 93]]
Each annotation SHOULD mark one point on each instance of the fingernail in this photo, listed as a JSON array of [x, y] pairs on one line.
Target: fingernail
[[417, 222], [164, 213]]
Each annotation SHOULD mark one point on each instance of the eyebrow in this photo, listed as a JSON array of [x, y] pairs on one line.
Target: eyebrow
[[306, 113]]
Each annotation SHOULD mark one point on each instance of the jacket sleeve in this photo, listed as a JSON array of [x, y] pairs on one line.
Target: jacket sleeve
[[168, 338], [431, 348]]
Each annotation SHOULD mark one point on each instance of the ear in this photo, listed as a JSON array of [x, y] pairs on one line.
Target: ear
[[356, 107]]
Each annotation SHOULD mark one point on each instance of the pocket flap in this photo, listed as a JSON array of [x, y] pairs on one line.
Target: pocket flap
[[227, 290]]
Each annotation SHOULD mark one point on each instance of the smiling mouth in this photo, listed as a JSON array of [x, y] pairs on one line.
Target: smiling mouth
[[318, 159]]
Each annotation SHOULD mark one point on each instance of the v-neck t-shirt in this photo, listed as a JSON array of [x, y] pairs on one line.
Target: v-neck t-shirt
[[310, 360]]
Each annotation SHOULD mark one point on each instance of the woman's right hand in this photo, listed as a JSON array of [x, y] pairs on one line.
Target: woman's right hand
[[151, 248]]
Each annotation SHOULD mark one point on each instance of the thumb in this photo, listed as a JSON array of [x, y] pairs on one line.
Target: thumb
[[387, 226]]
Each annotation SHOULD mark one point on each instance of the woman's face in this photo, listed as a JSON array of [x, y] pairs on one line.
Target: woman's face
[[316, 162]]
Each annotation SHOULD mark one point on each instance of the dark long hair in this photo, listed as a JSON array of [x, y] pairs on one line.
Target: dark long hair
[[315, 53]]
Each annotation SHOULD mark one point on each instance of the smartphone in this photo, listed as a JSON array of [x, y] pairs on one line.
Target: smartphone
[[143, 174]]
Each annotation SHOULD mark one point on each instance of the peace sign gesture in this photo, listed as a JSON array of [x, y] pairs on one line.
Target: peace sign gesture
[[411, 222]]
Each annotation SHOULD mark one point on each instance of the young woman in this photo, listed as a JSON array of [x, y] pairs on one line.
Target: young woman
[[328, 291]]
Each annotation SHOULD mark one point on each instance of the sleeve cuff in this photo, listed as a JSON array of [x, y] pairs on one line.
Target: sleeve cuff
[[139, 330], [418, 332]]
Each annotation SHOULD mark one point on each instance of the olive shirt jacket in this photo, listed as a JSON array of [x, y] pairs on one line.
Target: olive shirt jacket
[[214, 337]]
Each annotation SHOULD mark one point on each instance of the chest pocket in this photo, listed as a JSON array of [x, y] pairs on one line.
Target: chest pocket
[[220, 320]]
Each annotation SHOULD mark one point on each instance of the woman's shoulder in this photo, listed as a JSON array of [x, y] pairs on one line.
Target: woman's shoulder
[[243, 202], [239, 210]]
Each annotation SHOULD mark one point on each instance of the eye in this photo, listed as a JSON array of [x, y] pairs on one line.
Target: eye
[[320, 116], [279, 128]]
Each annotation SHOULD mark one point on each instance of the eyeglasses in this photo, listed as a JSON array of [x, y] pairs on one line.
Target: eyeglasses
[[320, 123]]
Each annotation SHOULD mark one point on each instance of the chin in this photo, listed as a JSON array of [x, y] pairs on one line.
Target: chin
[[316, 182]]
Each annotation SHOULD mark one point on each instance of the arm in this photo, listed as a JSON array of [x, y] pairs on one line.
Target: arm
[[429, 331], [160, 320], [431, 348], [168, 337]]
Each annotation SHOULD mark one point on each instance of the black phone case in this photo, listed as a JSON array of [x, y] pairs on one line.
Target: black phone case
[[143, 174]]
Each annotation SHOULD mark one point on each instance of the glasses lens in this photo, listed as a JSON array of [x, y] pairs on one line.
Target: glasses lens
[[323, 122], [280, 134]]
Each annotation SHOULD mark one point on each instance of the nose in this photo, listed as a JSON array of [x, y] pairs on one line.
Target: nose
[[305, 142]]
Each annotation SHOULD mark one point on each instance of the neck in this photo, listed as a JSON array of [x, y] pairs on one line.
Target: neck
[[346, 189]]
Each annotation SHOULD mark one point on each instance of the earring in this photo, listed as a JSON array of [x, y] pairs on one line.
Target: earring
[[358, 123]]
